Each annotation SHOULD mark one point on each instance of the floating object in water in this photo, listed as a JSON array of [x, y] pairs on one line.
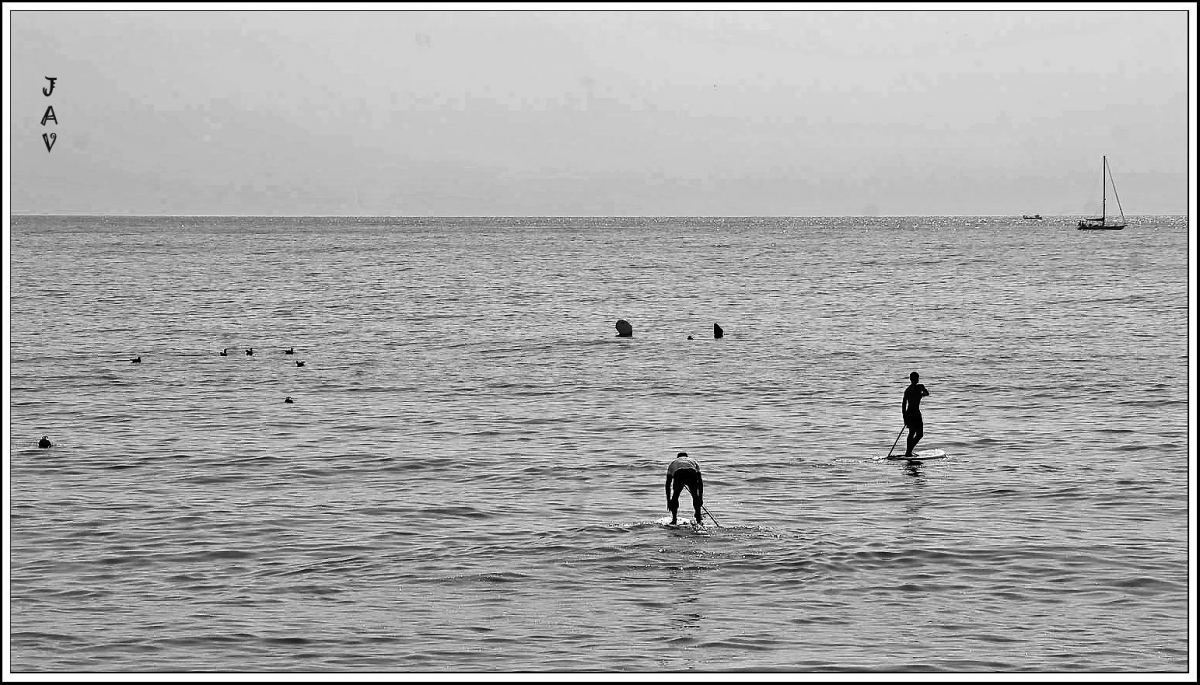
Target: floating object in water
[[288, 351], [44, 442], [135, 360], [718, 332], [624, 329], [299, 363], [225, 352], [287, 400], [249, 350]]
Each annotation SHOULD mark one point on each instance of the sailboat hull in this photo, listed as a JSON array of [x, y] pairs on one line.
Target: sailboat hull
[[1100, 227]]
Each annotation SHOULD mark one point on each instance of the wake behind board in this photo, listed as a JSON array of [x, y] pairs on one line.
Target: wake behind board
[[923, 455]]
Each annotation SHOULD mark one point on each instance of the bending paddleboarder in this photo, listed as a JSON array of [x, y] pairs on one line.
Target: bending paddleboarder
[[684, 471], [910, 408]]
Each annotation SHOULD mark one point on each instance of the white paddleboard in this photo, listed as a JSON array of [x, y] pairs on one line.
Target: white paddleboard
[[687, 524], [923, 455]]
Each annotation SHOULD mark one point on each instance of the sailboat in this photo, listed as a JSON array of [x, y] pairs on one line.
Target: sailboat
[[1102, 223]]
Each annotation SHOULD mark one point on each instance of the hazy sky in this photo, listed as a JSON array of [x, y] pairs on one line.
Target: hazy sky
[[586, 110]]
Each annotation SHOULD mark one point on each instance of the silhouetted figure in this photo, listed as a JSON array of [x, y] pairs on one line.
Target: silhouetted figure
[[910, 408], [684, 471], [287, 400], [44, 442], [624, 329], [249, 351], [135, 360], [718, 332], [690, 338], [225, 352], [288, 351], [299, 363]]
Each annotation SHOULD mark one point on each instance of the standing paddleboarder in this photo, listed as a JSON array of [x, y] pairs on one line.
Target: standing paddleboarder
[[684, 471], [910, 408]]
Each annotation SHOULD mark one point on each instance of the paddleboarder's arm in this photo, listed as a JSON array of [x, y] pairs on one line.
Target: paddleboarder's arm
[[668, 492]]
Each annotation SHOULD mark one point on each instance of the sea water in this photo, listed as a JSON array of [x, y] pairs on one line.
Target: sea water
[[470, 476]]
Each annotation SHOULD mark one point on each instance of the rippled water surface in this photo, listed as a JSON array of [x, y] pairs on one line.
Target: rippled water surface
[[470, 476]]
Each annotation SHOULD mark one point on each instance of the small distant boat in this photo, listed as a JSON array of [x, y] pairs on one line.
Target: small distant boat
[[1102, 223], [1035, 217]]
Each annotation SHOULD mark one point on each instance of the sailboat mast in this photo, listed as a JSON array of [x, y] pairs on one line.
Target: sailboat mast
[[1115, 195], [1103, 198]]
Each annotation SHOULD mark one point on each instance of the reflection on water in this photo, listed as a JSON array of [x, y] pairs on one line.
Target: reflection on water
[[916, 496], [913, 469], [685, 613]]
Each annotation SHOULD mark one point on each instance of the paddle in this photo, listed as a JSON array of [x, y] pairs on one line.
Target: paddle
[[897, 440], [711, 516]]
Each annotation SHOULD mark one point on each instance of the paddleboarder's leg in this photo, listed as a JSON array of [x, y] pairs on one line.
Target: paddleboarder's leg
[[698, 496], [916, 431], [677, 488]]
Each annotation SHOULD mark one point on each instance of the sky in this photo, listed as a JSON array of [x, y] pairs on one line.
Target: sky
[[605, 109]]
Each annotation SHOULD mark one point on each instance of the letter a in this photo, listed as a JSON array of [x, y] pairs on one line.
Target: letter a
[[49, 116], [51, 79]]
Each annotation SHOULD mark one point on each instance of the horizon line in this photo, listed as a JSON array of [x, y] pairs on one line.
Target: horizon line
[[561, 216]]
